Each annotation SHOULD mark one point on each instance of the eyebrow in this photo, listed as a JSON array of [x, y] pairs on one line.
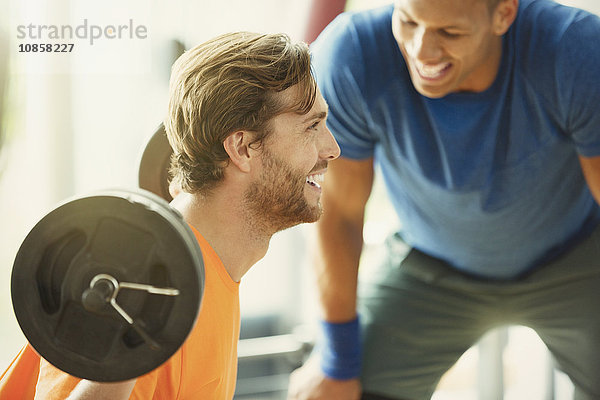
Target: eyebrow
[[405, 14], [320, 115]]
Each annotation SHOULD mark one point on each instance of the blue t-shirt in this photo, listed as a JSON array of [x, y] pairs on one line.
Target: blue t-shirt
[[489, 182]]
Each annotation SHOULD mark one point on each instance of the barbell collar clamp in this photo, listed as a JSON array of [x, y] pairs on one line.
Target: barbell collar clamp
[[108, 288]]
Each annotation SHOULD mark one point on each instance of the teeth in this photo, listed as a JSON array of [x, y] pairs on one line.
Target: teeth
[[431, 71], [315, 180]]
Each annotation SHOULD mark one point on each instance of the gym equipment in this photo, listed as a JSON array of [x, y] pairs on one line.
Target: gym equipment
[[153, 174], [107, 286]]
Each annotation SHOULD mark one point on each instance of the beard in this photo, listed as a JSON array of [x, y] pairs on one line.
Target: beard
[[276, 201]]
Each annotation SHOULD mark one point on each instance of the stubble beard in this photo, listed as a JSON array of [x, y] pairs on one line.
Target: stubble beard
[[276, 201]]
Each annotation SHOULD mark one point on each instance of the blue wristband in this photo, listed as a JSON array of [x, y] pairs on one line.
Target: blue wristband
[[341, 349]]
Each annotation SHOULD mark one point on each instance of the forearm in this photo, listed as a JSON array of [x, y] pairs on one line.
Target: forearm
[[345, 193], [346, 189], [88, 390], [339, 249], [591, 172]]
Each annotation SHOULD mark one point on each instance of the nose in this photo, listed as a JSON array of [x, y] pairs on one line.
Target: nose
[[425, 46], [329, 148]]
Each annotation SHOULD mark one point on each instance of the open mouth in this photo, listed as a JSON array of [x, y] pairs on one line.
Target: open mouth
[[315, 180], [432, 71]]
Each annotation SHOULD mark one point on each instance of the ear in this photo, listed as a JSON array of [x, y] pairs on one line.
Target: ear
[[236, 146], [504, 15]]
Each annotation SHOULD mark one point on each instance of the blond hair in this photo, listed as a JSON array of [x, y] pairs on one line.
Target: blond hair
[[226, 85]]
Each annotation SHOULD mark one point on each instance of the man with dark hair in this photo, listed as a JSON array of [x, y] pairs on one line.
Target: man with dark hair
[[250, 146], [483, 117]]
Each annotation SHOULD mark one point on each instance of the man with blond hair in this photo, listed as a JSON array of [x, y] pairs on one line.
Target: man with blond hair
[[250, 146]]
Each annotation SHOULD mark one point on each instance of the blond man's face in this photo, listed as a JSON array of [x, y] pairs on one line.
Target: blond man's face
[[294, 162]]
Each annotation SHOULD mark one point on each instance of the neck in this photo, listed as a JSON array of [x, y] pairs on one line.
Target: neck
[[219, 217], [484, 78]]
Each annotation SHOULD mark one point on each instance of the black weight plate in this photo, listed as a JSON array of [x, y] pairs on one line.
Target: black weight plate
[[132, 236], [153, 174]]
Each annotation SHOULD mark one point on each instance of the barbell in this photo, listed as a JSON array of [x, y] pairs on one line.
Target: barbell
[[108, 286]]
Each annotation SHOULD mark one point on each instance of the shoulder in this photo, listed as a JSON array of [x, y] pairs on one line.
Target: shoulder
[[357, 56], [555, 51], [355, 24], [351, 37], [546, 32]]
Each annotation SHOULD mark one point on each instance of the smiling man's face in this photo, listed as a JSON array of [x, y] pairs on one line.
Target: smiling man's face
[[448, 45], [295, 155]]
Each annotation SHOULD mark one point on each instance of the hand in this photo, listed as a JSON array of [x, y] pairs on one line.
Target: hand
[[309, 383]]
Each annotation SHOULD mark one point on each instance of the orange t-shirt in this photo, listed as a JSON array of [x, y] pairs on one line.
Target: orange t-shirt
[[205, 367]]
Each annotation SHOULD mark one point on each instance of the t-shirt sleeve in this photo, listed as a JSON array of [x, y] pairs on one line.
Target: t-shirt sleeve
[[20, 378], [339, 70], [579, 82]]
